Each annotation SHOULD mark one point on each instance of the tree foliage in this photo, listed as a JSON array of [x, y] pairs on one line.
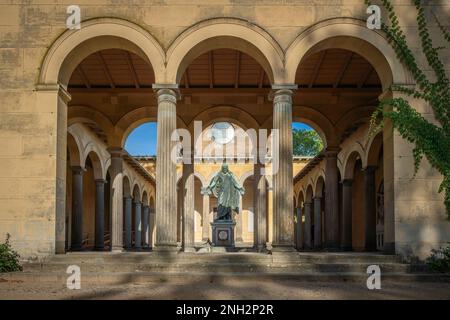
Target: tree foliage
[[430, 139], [306, 142]]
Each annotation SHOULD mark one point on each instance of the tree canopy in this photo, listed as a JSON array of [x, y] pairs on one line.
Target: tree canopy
[[306, 142]]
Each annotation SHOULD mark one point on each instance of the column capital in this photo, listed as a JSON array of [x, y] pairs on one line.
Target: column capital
[[137, 202], [317, 198], [100, 181], [167, 92], [370, 169], [56, 87], [116, 152], [332, 151], [347, 182], [77, 169], [282, 93]]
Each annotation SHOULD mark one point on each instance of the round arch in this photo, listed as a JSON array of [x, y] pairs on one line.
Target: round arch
[[92, 153], [95, 35], [126, 185], [224, 33], [300, 198], [134, 119], [144, 198], [136, 192], [245, 176], [373, 148], [355, 153], [85, 114], [309, 193], [349, 34], [74, 147], [319, 186], [225, 113]]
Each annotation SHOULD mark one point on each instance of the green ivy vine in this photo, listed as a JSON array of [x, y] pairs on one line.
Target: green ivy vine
[[430, 140]]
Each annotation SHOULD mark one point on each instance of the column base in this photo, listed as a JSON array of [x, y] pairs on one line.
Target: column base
[[117, 249], [389, 247], [283, 248], [190, 250], [167, 248], [346, 248]]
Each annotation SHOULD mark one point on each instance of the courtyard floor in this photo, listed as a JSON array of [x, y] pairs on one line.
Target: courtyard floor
[[227, 289]]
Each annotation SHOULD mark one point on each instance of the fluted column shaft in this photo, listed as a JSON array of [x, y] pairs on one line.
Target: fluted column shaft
[[137, 224], [145, 226], [127, 200], [116, 173], [307, 239], [283, 232], [346, 229], [166, 191], [260, 208], [77, 208], [99, 214], [331, 199], [205, 228], [239, 222], [370, 208], [188, 208], [299, 226], [317, 222]]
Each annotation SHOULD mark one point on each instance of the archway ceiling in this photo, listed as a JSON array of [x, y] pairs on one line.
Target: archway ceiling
[[333, 81]]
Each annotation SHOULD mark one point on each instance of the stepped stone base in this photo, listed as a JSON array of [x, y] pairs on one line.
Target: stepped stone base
[[145, 266]]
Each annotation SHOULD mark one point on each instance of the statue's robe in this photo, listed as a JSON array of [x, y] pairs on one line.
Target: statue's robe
[[226, 189]]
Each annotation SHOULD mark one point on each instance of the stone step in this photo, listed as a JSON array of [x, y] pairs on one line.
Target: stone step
[[151, 257], [225, 268]]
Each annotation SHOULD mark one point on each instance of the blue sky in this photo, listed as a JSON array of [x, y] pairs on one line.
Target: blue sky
[[142, 140]]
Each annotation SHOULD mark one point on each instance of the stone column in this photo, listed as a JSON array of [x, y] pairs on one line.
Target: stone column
[[137, 224], [116, 173], [151, 227], [260, 208], [205, 218], [269, 217], [317, 222], [346, 225], [370, 208], [331, 199], [299, 240], [188, 208], [239, 222], [166, 175], [145, 226], [307, 233], [127, 211], [77, 208], [283, 232], [100, 214]]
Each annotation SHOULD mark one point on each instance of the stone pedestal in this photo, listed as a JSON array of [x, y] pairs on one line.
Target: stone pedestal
[[223, 233]]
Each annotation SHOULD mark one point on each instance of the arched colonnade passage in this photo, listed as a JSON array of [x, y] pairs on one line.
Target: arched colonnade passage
[[329, 77]]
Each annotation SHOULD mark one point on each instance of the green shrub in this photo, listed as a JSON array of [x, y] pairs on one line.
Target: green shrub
[[439, 260], [9, 259]]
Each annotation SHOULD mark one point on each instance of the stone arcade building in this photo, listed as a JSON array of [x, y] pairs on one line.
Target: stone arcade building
[[70, 98]]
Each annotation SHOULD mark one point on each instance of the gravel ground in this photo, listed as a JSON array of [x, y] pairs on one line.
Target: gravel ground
[[227, 289]]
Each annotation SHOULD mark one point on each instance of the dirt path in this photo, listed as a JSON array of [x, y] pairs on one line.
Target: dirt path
[[228, 289]]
